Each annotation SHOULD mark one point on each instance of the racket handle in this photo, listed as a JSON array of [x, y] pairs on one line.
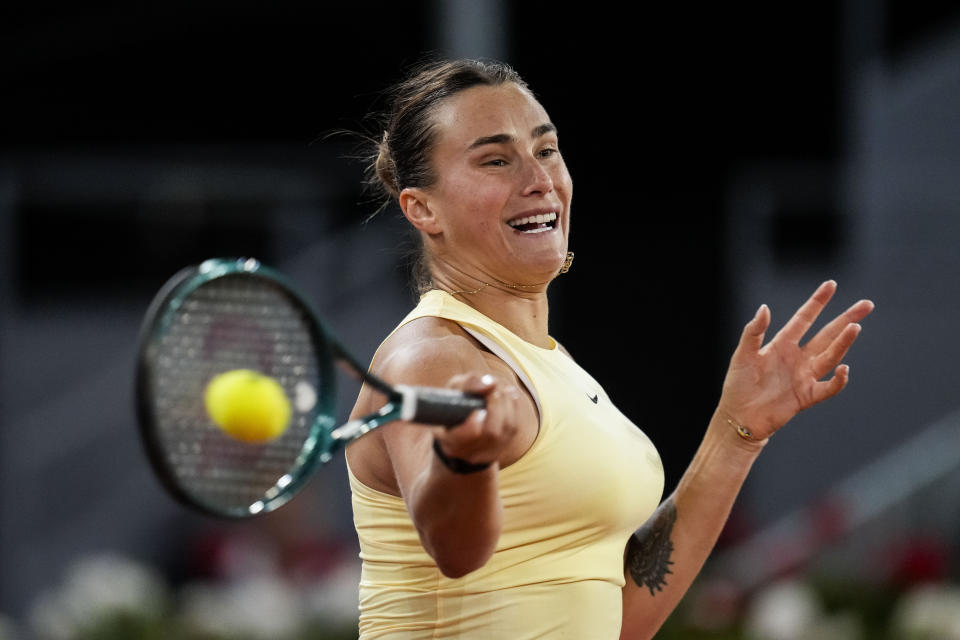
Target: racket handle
[[432, 405]]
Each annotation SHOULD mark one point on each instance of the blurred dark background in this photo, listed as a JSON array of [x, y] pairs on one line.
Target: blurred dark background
[[723, 156]]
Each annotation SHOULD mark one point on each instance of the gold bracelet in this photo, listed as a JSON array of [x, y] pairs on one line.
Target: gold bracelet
[[741, 430]]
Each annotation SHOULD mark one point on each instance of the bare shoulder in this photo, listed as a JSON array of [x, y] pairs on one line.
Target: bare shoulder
[[428, 351]]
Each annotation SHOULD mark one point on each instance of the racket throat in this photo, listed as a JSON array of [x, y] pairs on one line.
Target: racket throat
[[354, 429]]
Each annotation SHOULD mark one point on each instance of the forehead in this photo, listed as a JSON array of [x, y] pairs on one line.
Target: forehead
[[488, 110]]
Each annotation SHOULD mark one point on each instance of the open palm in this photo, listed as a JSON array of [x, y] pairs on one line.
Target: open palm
[[767, 384]]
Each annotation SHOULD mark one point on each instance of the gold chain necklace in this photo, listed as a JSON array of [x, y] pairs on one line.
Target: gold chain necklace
[[483, 285]]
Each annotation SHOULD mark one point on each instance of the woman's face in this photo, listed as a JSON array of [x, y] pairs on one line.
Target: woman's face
[[501, 199]]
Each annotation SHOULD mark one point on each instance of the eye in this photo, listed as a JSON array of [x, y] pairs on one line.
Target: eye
[[497, 162], [547, 152]]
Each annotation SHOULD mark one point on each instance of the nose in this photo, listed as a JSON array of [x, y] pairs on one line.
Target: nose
[[537, 179]]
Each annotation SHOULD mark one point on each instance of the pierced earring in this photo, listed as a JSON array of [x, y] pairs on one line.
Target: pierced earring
[[567, 262]]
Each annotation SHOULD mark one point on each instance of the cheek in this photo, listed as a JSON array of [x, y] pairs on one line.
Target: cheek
[[480, 204], [564, 182], [478, 220]]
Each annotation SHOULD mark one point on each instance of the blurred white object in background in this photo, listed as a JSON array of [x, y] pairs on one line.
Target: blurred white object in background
[[261, 607], [782, 611], [94, 587], [792, 610], [929, 611]]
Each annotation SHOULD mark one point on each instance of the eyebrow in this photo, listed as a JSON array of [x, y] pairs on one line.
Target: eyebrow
[[502, 138]]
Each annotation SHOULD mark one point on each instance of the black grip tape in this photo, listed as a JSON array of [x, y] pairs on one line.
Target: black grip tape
[[445, 406]]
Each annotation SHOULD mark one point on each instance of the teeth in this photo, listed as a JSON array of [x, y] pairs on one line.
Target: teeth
[[542, 218]]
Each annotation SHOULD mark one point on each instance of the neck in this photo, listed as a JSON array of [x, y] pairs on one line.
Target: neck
[[521, 308]]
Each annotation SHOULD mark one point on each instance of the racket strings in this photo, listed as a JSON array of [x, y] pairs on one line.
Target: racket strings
[[232, 322]]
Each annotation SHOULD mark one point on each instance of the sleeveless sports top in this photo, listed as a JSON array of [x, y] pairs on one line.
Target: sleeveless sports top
[[571, 502]]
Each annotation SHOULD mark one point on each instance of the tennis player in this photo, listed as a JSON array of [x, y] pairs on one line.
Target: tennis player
[[541, 516]]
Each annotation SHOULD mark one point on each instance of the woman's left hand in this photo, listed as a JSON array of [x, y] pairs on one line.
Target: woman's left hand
[[767, 384]]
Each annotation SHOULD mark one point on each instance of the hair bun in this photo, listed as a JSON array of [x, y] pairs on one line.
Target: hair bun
[[386, 168]]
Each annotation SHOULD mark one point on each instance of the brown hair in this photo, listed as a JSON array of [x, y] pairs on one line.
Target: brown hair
[[401, 157]]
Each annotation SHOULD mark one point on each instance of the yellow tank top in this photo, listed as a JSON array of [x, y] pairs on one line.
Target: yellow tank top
[[571, 502]]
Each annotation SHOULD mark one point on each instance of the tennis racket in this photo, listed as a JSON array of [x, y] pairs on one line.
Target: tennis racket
[[228, 314]]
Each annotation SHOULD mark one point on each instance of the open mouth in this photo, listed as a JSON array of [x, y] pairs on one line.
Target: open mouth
[[535, 224]]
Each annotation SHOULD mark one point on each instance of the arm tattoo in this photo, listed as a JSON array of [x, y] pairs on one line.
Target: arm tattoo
[[649, 549]]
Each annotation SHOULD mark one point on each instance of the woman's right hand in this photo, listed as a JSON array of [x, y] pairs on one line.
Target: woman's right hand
[[487, 433]]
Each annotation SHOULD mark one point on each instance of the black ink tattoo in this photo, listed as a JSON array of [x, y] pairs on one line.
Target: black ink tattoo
[[649, 549]]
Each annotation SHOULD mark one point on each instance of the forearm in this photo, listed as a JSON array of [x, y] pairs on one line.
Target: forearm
[[665, 555], [458, 516]]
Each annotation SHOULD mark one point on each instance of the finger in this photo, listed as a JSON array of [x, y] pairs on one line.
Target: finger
[[751, 339], [463, 441], [484, 428], [486, 423], [504, 401], [833, 355], [470, 429], [512, 411], [473, 383], [807, 314], [833, 386], [829, 333]]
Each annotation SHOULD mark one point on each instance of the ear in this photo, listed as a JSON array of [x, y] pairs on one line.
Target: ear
[[416, 208]]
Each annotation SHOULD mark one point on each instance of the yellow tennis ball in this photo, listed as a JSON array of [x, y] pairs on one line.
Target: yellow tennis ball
[[247, 405]]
